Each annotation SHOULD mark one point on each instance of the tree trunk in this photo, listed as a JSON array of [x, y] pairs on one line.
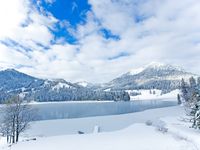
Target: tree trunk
[[7, 139], [10, 139], [17, 128], [13, 130], [17, 136], [13, 139]]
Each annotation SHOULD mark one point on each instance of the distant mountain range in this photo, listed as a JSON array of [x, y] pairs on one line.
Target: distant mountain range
[[30, 88], [155, 75]]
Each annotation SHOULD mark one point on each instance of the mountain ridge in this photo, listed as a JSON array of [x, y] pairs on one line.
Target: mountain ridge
[[153, 76], [13, 82], [155, 65]]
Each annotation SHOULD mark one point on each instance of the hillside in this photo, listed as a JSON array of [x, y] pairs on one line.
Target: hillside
[[13, 82], [153, 76]]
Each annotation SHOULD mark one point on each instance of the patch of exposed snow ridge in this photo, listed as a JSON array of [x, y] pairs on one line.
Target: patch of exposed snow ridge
[[83, 83], [61, 85]]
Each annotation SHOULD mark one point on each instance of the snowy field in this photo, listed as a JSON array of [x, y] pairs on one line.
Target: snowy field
[[144, 126], [168, 131], [154, 94]]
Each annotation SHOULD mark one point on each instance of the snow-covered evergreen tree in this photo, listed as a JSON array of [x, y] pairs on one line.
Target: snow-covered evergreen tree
[[195, 112], [184, 91], [191, 97]]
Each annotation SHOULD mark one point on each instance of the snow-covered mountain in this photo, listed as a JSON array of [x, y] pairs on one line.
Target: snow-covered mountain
[[154, 75], [13, 82], [156, 66]]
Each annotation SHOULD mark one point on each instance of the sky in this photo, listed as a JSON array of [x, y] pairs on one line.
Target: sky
[[97, 40]]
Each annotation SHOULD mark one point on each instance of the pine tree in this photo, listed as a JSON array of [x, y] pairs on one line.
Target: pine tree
[[198, 83], [184, 91], [195, 112], [192, 82]]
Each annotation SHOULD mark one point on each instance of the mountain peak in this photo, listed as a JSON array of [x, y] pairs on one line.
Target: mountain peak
[[154, 75], [11, 70], [162, 66], [155, 66]]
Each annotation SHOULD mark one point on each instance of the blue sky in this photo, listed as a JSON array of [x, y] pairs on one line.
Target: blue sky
[[97, 41], [72, 12]]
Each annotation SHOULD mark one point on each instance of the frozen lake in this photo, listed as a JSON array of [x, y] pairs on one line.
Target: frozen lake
[[63, 110]]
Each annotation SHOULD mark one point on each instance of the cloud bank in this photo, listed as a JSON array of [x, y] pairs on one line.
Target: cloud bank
[[116, 36]]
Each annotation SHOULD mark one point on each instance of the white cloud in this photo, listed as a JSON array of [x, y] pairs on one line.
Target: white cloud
[[50, 1], [12, 13], [157, 30], [8, 57]]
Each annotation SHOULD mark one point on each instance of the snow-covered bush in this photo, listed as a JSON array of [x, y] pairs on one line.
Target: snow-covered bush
[[161, 126], [163, 129], [149, 123]]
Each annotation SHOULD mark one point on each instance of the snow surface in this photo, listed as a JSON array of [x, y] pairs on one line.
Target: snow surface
[[138, 135], [146, 95]]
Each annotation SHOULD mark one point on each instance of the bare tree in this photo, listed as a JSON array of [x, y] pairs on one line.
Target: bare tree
[[16, 118]]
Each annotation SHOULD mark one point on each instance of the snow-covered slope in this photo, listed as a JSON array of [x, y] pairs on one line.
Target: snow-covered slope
[[167, 132], [14, 82], [156, 66], [154, 75], [153, 94]]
